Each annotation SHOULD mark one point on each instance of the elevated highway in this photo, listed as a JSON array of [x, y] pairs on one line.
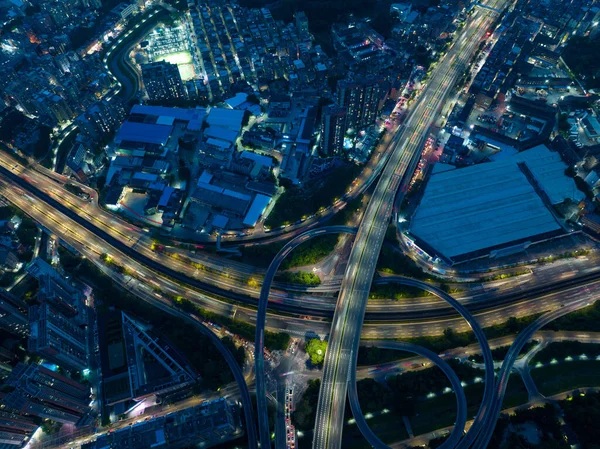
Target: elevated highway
[[351, 306]]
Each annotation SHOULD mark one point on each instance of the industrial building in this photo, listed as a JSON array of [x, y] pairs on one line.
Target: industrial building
[[490, 208]]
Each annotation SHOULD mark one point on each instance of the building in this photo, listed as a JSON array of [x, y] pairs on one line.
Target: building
[[137, 363], [209, 424], [333, 128], [301, 23], [46, 394], [57, 337], [124, 10], [362, 99], [13, 316], [102, 118], [58, 292], [53, 107], [163, 81], [591, 127], [492, 209], [15, 429]]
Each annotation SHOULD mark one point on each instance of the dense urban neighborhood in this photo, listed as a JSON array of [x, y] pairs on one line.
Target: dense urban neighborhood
[[291, 224]]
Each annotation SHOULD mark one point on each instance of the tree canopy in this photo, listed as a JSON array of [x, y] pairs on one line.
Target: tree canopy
[[315, 349]]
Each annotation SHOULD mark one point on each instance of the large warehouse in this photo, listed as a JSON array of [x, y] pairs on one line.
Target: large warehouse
[[469, 212]]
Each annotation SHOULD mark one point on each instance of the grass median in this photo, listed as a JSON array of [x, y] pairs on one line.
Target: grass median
[[566, 376]]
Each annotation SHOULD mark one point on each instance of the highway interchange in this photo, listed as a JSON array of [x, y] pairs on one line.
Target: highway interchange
[[92, 231], [350, 310]]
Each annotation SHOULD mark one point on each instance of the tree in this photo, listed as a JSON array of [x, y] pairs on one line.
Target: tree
[[246, 118], [252, 98], [315, 349]]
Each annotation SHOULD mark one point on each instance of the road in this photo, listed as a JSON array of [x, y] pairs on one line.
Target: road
[[260, 330], [118, 63], [432, 321], [350, 310], [489, 423], [229, 279], [259, 342], [461, 401]]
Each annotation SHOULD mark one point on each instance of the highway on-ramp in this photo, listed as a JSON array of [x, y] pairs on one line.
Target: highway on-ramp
[[461, 401]]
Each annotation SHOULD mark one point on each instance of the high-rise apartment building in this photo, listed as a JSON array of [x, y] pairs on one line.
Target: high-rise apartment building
[[333, 128], [301, 23], [163, 81], [102, 118], [57, 337], [362, 99], [41, 392]]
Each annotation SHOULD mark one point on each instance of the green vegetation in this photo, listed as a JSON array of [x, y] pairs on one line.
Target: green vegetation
[[185, 336], [563, 125], [298, 202], [68, 260], [440, 411], [507, 434], [273, 340], [371, 355], [560, 350], [63, 150], [396, 291], [344, 216], [304, 415], [373, 395], [582, 55], [238, 351], [308, 253], [412, 386], [10, 125], [315, 349], [451, 339], [498, 277], [566, 376], [26, 233], [408, 397], [565, 255], [394, 262], [582, 413], [50, 427], [586, 319], [300, 277], [41, 147], [500, 353], [311, 252]]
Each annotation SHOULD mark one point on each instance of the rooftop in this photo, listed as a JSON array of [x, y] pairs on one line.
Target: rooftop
[[469, 210], [144, 133]]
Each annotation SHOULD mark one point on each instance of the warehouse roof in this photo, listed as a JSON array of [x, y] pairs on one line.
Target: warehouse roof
[[185, 115], [472, 209], [144, 133], [226, 118], [257, 208], [221, 133], [549, 171]]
